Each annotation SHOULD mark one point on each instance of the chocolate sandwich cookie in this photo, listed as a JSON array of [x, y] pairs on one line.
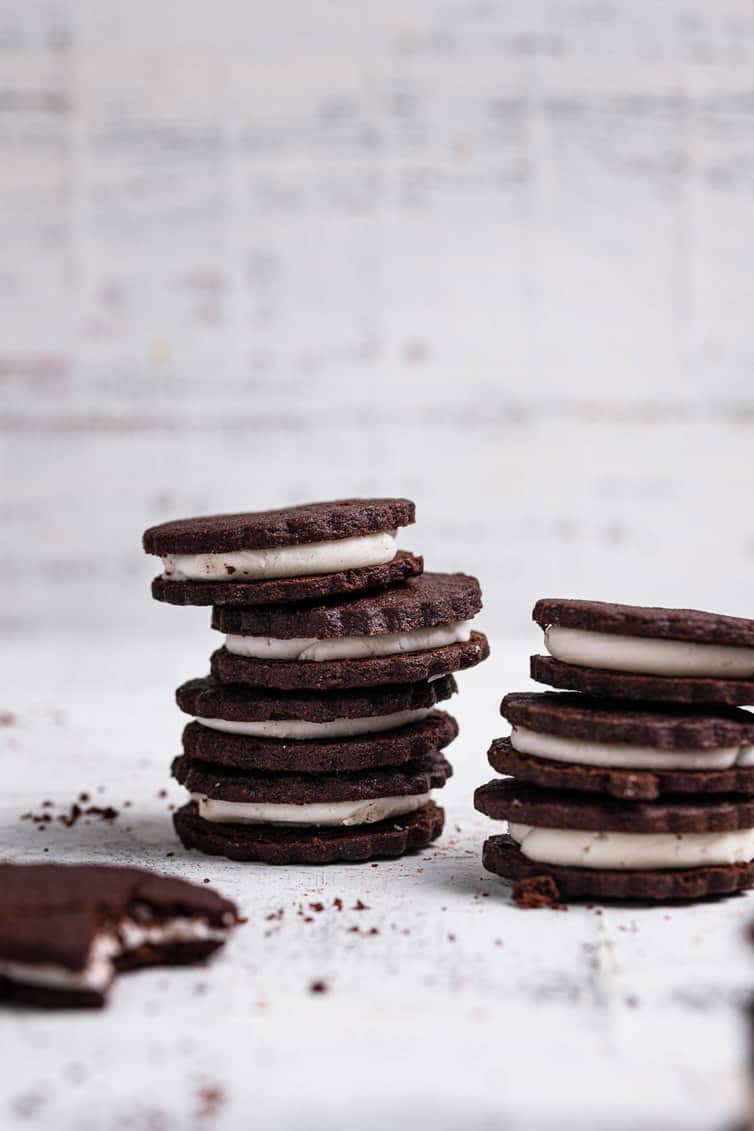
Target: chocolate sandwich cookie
[[630, 751], [598, 847], [308, 715], [361, 752], [65, 930], [227, 793], [308, 552], [280, 844], [633, 652], [415, 631]]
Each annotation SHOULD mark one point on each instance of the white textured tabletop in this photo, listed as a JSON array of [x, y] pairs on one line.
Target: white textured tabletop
[[445, 1005]]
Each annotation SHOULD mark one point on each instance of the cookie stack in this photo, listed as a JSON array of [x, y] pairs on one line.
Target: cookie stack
[[638, 781], [316, 736]]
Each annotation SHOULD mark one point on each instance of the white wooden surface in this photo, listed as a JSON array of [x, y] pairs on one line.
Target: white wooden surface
[[492, 254], [463, 1011]]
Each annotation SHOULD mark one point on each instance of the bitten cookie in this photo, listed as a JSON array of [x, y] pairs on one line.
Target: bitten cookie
[[66, 929]]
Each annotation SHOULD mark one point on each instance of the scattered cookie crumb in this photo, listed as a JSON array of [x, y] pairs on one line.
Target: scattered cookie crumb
[[536, 891]]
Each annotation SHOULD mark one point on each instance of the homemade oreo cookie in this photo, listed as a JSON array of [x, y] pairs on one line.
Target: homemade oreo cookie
[[602, 848], [627, 750], [66, 929], [631, 652], [307, 552], [415, 631]]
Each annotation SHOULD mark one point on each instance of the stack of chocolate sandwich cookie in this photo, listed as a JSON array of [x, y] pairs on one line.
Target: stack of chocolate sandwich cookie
[[637, 781], [316, 737]]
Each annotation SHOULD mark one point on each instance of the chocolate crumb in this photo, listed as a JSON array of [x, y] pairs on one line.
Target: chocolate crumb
[[317, 907], [337, 904], [211, 1098], [162, 793], [318, 988], [83, 797], [359, 906], [536, 891]]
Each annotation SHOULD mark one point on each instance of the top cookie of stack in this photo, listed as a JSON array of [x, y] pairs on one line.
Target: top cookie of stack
[[315, 738], [303, 553]]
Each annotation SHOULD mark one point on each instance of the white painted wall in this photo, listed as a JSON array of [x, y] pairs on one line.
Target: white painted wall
[[493, 255]]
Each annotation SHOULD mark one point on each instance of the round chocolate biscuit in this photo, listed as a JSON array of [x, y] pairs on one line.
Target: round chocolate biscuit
[[277, 591], [506, 800], [206, 698], [374, 671], [277, 844], [358, 752], [639, 620], [625, 784], [287, 526], [502, 856], [421, 602], [661, 726], [649, 688], [223, 784]]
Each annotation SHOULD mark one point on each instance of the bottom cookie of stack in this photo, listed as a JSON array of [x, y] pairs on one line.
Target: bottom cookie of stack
[[623, 801], [605, 849], [287, 783]]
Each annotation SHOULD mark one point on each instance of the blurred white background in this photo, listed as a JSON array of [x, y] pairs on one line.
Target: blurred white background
[[496, 256]]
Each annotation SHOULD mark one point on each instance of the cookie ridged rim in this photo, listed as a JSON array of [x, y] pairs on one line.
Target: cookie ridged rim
[[270, 844], [373, 671], [620, 782], [276, 591], [502, 856], [244, 786], [662, 726], [633, 685], [285, 526], [508, 800], [420, 602], [641, 620], [207, 698], [357, 752]]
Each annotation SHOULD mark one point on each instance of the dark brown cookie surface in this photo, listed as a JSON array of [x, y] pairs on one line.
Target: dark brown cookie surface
[[206, 698], [287, 526], [224, 784], [277, 591], [639, 620], [360, 752], [324, 675], [628, 785], [652, 688], [663, 726], [271, 844], [502, 856], [420, 602], [544, 808]]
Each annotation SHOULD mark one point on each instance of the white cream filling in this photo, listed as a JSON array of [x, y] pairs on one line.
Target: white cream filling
[[299, 728], [648, 656], [343, 813], [578, 848], [97, 974], [310, 558], [587, 753], [348, 647]]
